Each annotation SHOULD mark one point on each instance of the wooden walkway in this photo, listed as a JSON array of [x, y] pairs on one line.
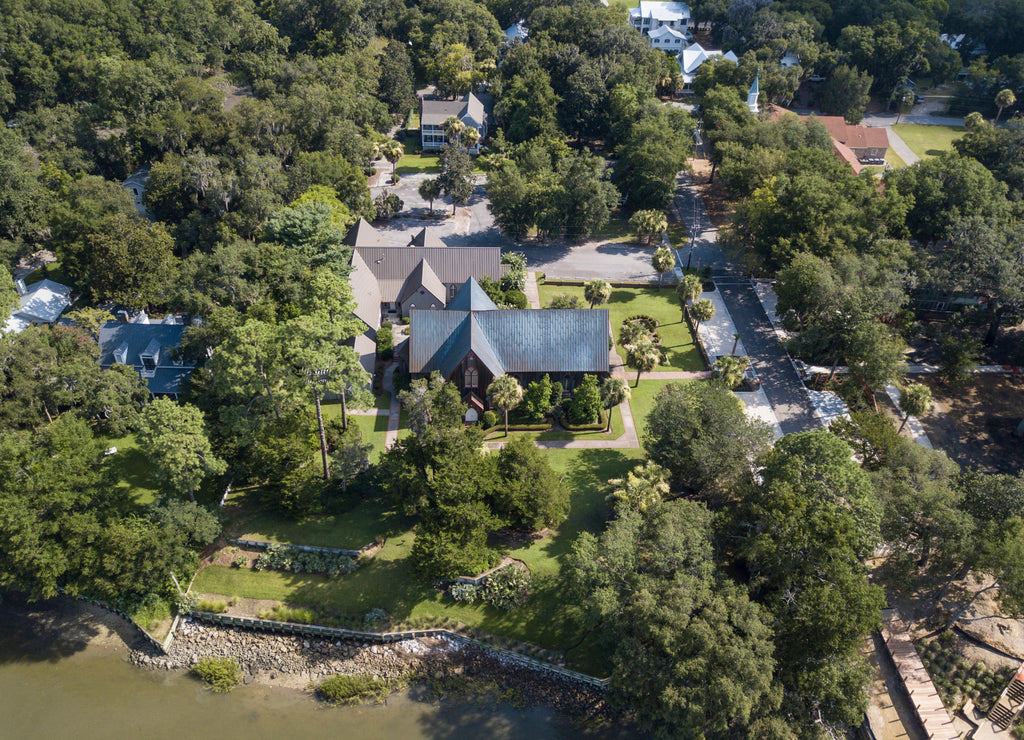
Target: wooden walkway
[[927, 703]]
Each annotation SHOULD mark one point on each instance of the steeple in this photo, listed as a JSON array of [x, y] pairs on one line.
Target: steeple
[[752, 94]]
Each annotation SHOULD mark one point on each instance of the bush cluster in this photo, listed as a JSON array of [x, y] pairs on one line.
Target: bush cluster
[[342, 689], [506, 589], [294, 614], [296, 560], [214, 607], [385, 342], [221, 674], [956, 679], [490, 419]]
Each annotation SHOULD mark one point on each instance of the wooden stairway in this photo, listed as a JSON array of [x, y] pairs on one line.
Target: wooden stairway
[[1010, 703]]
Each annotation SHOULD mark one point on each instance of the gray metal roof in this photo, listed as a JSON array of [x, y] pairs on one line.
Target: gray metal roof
[[426, 238], [362, 234], [471, 297], [516, 341], [144, 339], [436, 111], [452, 265], [365, 292], [423, 278]]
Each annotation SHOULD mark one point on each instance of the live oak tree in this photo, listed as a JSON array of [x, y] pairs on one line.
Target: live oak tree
[[530, 493], [8, 295], [456, 176], [130, 261], [174, 437], [687, 645], [701, 435], [845, 93]]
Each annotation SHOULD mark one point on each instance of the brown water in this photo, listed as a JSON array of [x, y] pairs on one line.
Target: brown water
[[71, 689]]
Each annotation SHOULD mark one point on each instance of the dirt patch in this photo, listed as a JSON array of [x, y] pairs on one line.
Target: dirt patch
[[227, 556], [716, 198], [974, 422]]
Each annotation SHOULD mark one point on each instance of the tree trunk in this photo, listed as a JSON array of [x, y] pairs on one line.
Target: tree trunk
[[735, 342], [661, 276], [903, 424], [1000, 113], [323, 437], [506, 422], [344, 410], [637, 378], [714, 166], [608, 428], [993, 328], [192, 495], [453, 207], [266, 385]]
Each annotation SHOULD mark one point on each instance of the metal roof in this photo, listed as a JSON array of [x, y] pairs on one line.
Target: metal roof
[[365, 292], [363, 235], [452, 265], [142, 339], [435, 111], [517, 341], [423, 278], [426, 238], [471, 297]]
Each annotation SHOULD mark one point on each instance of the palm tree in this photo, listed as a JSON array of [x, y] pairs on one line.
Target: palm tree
[[1004, 99], [613, 392], [453, 129], [430, 189], [701, 311], [632, 332], [689, 289], [916, 400], [643, 356], [642, 487], [392, 151], [662, 261], [470, 137], [597, 292], [504, 393], [648, 223], [731, 369]]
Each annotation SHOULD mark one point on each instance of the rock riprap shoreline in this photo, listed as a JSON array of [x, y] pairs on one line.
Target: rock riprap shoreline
[[298, 661]]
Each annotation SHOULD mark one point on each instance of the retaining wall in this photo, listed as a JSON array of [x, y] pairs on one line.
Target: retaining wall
[[149, 638], [313, 630]]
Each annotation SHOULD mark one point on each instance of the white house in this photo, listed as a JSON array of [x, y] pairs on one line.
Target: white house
[[136, 185], [435, 111], [40, 303], [789, 59], [670, 40], [649, 16], [695, 55]]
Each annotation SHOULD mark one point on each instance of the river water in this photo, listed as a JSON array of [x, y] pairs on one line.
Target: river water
[[73, 684]]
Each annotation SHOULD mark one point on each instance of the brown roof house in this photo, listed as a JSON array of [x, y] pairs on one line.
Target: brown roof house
[[434, 111], [857, 145], [393, 280], [472, 341]]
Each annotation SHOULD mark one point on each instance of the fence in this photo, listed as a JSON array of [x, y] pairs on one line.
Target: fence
[[313, 630], [305, 548]]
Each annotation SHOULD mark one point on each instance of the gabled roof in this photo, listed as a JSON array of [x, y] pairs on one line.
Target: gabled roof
[[435, 111], [662, 11], [517, 341], [365, 292], [661, 31], [363, 235], [145, 339], [471, 297], [516, 31], [422, 276], [695, 55], [452, 265], [42, 303], [426, 238], [855, 137]]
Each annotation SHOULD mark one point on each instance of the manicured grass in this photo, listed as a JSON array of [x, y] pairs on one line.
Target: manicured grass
[[360, 526], [388, 580], [52, 271], [678, 348], [894, 160], [928, 141], [132, 469], [411, 164], [563, 434], [642, 401]]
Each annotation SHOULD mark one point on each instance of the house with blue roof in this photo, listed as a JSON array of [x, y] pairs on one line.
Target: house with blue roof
[[149, 348], [471, 341]]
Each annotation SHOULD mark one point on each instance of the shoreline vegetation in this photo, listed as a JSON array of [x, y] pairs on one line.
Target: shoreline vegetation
[[333, 671]]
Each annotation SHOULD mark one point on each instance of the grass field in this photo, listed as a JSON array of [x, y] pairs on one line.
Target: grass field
[[928, 141], [562, 434], [679, 350], [389, 582], [132, 469]]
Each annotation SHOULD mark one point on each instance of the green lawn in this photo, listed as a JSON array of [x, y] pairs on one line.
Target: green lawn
[[562, 434], [928, 141], [53, 271], [679, 350], [132, 469], [411, 164], [388, 580]]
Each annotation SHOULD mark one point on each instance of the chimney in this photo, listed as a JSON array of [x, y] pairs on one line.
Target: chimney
[[122, 316], [19, 285]]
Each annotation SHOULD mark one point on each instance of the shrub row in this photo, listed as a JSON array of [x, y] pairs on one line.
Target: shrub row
[[506, 589], [296, 560]]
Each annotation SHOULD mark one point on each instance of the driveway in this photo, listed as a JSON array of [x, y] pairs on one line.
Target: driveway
[[629, 262], [471, 226]]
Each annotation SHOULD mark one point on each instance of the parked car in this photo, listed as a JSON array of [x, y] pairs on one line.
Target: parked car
[[918, 99]]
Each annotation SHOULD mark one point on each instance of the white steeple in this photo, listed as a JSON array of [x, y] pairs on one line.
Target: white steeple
[[752, 94]]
